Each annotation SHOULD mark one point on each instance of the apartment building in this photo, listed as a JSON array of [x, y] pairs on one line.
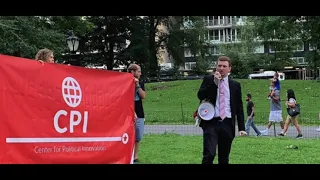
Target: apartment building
[[220, 29], [164, 59], [226, 29]]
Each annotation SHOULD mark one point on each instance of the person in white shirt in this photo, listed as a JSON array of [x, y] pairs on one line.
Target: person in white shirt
[[291, 102], [275, 115]]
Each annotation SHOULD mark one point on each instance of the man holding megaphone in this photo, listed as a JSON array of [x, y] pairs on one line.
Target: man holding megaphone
[[218, 122]]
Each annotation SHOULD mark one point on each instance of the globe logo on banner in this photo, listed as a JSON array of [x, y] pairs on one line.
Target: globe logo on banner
[[71, 92]]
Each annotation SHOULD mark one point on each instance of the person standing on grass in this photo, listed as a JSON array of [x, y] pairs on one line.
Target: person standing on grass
[[225, 94], [250, 114], [291, 102], [140, 93]]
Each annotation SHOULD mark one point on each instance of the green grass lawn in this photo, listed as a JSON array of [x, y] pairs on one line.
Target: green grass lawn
[[177, 149], [174, 102]]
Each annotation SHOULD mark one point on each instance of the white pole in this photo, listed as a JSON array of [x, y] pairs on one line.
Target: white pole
[[132, 156]]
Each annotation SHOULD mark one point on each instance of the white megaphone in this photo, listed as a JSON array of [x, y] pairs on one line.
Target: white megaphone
[[206, 111]]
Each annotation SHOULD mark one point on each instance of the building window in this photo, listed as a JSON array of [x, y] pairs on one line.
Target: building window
[[187, 53], [259, 49], [311, 48], [300, 46], [214, 50], [206, 36], [299, 60], [222, 38], [189, 65], [215, 20], [237, 34], [205, 20], [271, 49], [279, 47], [233, 34], [214, 35], [210, 21], [221, 20], [228, 34]]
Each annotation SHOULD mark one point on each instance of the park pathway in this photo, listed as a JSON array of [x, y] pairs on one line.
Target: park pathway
[[307, 131]]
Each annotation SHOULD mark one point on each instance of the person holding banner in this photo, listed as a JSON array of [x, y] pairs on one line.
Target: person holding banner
[[45, 55], [226, 97], [139, 112]]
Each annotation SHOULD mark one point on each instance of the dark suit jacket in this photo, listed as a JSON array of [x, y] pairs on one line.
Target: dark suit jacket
[[208, 92]]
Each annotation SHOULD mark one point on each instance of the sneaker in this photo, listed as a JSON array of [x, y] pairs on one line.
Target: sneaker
[[280, 134], [318, 129], [299, 136], [264, 132], [259, 135]]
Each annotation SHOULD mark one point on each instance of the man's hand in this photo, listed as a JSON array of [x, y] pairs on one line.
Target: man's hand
[[42, 63], [135, 117], [217, 77], [250, 117], [287, 103], [136, 80], [272, 94], [242, 133]]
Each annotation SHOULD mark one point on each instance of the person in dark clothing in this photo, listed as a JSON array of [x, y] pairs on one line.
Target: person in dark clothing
[[140, 94], [226, 97], [250, 114]]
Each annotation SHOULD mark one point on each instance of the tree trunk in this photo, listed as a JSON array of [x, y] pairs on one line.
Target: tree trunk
[[110, 56], [153, 62]]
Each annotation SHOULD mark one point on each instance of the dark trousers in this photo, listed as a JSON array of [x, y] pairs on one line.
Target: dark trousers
[[217, 133]]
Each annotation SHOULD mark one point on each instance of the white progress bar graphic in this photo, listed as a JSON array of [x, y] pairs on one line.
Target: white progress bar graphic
[[124, 139]]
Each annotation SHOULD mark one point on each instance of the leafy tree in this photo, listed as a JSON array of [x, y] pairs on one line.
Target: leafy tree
[[308, 30], [23, 36], [188, 34], [270, 31], [242, 51], [107, 39]]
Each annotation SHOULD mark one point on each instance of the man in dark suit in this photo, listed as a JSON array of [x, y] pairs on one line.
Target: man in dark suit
[[225, 95]]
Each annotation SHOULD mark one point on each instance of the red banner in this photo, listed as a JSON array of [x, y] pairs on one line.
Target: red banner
[[54, 113]]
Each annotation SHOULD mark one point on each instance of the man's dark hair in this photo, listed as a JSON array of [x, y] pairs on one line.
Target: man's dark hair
[[249, 96]]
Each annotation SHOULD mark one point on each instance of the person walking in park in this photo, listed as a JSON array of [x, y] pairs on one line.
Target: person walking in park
[[250, 116], [275, 110], [291, 103]]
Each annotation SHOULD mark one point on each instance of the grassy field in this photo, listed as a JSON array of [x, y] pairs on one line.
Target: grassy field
[[174, 102], [176, 149]]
